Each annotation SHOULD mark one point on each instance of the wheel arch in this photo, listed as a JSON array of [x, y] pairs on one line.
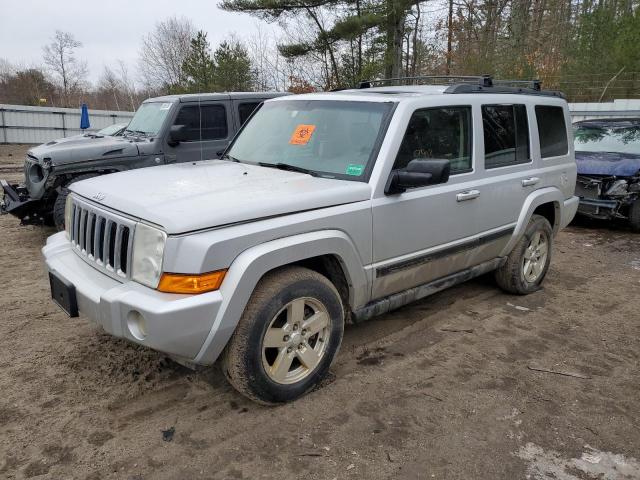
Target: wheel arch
[[329, 252], [546, 202]]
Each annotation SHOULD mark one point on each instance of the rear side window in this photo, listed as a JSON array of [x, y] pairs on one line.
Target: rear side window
[[438, 133], [214, 122], [211, 119], [245, 110], [552, 131], [506, 135]]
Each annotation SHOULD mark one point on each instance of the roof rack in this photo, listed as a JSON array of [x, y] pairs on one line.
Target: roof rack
[[483, 80], [469, 84]]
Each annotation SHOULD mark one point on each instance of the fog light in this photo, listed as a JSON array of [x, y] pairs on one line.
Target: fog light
[[137, 324]]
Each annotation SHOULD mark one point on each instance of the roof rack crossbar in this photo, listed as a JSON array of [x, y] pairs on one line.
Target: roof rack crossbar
[[483, 80], [534, 84]]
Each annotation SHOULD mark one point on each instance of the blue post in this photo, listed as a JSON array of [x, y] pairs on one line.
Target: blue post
[[84, 117]]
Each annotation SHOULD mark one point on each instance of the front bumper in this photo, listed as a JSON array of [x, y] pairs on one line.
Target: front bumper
[[599, 207], [174, 324], [17, 202]]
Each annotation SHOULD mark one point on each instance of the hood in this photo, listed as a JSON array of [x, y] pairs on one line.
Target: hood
[[194, 196], [80, 149], [608, 163]]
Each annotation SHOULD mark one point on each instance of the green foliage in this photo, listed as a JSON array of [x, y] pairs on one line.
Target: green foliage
[[232, 67], [198, 67]]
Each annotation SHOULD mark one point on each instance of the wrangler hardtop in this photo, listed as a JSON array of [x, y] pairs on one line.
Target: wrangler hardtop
[[326, 208], [168, 129]]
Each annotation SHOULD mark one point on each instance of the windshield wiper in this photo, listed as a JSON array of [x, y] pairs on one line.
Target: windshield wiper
[[139, 132], [226, 156], [289, 168]]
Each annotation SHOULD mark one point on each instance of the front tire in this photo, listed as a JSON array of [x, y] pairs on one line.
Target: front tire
[[61, 200], [287, 337], [528, 262]]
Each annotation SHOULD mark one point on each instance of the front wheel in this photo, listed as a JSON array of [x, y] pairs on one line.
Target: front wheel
[[287, 337], [61, 200], [528, 262]]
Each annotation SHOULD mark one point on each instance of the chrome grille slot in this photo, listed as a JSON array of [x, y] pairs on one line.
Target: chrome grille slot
[[102, 238]]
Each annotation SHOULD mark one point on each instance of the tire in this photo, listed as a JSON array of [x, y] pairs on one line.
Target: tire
[[61, 200], [283, 299], [634, 216], [516, 275]]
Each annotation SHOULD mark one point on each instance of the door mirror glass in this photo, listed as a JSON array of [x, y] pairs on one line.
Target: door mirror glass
[[418, 173], [177, 134]]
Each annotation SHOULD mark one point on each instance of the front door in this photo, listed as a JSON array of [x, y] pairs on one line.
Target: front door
[[428, 232], [209, 130]]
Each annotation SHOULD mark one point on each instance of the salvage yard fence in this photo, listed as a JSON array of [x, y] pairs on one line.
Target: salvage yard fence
[[26, 124]]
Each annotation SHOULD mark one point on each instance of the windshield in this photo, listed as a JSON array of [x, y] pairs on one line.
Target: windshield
[[149, 118], [330, 138], [607, 139]]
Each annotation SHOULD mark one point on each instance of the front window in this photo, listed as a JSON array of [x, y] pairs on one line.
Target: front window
[[335, 139], [608, 138], [149, 118], [438, 133]]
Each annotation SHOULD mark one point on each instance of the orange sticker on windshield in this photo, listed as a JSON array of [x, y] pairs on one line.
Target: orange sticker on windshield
[[302, 134]]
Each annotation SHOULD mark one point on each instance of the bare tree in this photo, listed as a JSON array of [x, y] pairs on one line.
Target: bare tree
[[60, 57], [164, 51], [128, 85]]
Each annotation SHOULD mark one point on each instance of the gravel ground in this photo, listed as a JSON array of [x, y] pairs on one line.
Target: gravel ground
[[468, 384]]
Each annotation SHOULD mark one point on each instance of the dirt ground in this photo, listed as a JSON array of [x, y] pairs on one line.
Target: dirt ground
[[450, 387]]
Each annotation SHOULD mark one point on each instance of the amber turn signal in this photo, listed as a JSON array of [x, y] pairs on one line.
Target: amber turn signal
[[181, 283]]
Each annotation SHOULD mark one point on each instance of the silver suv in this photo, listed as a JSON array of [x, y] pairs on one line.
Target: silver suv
[[326, 208]]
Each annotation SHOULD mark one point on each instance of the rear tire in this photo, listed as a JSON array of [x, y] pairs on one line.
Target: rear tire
[[287, 337], [634, 216], [528, 262], [61, 200]]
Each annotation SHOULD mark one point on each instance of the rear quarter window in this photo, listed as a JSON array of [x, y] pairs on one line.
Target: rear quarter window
[[552, 131]]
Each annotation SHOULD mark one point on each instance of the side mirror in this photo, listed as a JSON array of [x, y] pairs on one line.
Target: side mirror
[[177, 134], [418, 173]]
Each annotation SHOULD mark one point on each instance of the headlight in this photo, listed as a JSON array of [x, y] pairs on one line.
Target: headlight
[[68, 210], [148, 250]]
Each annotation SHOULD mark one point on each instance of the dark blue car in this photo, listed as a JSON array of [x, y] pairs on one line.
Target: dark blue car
[[608, 158]]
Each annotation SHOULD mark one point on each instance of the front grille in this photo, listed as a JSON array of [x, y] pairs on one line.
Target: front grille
[[102, 238]]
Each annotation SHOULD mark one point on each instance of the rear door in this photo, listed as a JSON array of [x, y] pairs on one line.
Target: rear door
[[509, 170], [209, 130]]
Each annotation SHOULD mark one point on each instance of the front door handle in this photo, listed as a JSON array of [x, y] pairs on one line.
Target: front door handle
[[468, 195], [527, 182]]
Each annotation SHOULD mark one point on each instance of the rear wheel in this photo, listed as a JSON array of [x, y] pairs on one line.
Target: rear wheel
[[634, 216], [287, 337], [61, 200], [528, 262]]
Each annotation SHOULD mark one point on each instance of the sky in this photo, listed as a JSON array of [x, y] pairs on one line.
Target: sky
[[109, 30]]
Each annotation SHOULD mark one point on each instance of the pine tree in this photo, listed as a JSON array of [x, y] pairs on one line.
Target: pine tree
[[198, 67], [232, 67]]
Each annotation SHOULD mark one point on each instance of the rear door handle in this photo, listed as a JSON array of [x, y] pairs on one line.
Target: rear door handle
[[468, 195], [527, 182]]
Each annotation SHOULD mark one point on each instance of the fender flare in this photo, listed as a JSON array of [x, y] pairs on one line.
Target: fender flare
[[251, 265], [533, 201]]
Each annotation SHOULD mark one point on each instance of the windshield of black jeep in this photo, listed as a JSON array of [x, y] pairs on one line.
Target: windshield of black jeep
[[329, 138], [590, 138], [149, 118]]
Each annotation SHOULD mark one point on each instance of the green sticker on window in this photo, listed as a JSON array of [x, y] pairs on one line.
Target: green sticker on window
[[355, 169]]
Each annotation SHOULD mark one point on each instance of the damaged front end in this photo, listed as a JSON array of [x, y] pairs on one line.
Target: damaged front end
[[607, 197], [32, 201]]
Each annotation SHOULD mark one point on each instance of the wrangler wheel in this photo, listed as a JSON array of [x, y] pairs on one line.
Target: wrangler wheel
[[287, 337]]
